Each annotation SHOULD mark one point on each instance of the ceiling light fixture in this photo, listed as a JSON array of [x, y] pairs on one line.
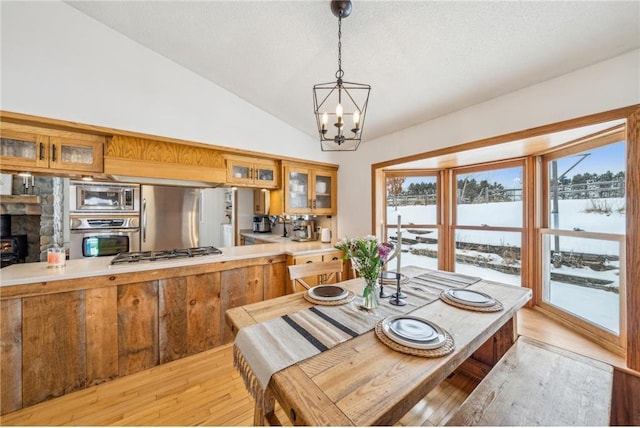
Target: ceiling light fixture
[[339, 100]]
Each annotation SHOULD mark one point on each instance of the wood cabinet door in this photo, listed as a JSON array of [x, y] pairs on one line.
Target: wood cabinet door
[[296, 188], [137, 327], [324, 186], [11, 358], [239, 287], [275, 280], [23, 150], [265, 174], [76, 154], [239, 172], [53, 346]]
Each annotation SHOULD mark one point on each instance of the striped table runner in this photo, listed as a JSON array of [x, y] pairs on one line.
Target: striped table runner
[[263, 349]]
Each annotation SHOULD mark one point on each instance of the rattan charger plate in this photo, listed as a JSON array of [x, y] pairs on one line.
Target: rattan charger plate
[[447, 347], [350, 296], [497, 307]]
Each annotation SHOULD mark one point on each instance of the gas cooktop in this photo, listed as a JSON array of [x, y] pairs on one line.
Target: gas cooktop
[[152, 256]]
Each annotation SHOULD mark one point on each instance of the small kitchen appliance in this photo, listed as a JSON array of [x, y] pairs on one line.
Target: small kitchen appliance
[[90, 198], [325, 234], [304, 230], [103, 235], [261, 224]]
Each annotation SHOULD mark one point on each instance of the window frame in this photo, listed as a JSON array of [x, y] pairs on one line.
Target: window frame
[[453, 226], [406, 173], [600, 335], [531, 144]]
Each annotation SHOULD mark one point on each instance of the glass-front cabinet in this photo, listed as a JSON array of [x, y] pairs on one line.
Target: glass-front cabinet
[[27, 148], [310, 191], [252, 172]]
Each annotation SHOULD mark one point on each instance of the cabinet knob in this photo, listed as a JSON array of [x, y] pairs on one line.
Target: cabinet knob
[[41, 151], [53, 153]]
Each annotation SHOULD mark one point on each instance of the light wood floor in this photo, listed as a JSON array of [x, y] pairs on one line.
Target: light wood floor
[[205, 389]]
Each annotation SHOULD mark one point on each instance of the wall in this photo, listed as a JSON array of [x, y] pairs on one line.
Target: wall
[[604, 86], [59, 63]]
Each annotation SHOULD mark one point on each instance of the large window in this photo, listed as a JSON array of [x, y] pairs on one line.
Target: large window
[[553, 209], [584, 236], [488, 222], [412, 207]]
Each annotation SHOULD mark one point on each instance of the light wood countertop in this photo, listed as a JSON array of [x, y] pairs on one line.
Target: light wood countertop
[[29, 273]]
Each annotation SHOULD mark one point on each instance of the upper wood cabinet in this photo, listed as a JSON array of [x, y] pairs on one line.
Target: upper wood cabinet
[[30, 148], [309, 190], [252, 172]]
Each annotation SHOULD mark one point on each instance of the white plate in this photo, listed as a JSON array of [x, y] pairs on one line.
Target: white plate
[[413, 331], [470, 297], [327, 293]]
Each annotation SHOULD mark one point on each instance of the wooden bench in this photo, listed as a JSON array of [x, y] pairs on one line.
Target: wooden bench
[[536, 384]]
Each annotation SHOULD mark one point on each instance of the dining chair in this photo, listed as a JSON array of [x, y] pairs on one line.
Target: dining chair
[[310, 274]]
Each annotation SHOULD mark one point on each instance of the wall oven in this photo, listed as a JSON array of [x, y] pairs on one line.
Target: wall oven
[[95, 236], [103, 197]]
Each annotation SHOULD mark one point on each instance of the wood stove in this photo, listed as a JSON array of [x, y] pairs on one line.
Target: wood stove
[[13, 248]]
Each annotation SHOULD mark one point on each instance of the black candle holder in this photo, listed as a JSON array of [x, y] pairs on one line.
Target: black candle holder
[[385, 275], [398, 295]]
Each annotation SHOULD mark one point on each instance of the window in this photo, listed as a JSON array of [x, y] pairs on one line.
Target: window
[[585, 232], [412, 207], [568, 238], [488, 222]]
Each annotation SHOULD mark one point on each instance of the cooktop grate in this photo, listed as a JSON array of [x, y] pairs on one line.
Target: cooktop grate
[[151, 256]]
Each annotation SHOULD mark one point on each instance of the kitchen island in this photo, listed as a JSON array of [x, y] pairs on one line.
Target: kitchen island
[[64, 329]]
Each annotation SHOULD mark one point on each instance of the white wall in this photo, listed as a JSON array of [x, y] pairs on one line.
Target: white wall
[[604, 86], [59, 63]]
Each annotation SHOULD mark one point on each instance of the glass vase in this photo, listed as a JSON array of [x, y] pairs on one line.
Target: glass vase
[[370, 294]]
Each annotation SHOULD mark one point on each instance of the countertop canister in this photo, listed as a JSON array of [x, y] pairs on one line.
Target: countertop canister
[[325, 234]]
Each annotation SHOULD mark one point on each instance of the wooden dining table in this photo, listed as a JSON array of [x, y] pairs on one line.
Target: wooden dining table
[[362, 381]]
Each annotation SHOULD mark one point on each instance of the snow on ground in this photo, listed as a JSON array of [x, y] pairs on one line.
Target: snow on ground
[[597, 306]]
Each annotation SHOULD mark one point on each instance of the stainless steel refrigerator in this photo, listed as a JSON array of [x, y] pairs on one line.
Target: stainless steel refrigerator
[[170, 217]]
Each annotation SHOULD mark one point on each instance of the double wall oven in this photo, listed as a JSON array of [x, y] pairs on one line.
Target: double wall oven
[[104, 219]]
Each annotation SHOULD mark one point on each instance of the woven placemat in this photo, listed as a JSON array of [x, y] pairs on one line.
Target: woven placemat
[[447, 347], [497, 307], [347, 299]]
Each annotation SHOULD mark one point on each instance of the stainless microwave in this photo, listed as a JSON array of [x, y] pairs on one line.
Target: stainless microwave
[[103, 197]]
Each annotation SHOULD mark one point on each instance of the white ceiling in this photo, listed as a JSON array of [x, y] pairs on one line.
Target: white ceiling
[[423, 59]]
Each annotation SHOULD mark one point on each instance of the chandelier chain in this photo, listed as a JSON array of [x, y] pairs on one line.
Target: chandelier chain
[[339, 73]]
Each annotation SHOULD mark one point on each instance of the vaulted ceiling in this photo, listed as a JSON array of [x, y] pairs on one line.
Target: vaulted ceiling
[[423, 59]]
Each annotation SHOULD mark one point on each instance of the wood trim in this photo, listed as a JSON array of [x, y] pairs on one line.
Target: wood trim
[[517, 135], [583, 144], [444, 216], [530, 224], [632, 247], [608, 341], [625, 399]]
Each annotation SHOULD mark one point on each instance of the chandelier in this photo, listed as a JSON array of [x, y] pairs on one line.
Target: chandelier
[[340, 107]]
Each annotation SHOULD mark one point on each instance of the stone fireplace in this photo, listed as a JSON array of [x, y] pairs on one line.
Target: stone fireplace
[[33, 212]]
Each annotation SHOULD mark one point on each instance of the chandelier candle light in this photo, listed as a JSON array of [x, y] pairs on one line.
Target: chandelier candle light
[[338, 100]]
